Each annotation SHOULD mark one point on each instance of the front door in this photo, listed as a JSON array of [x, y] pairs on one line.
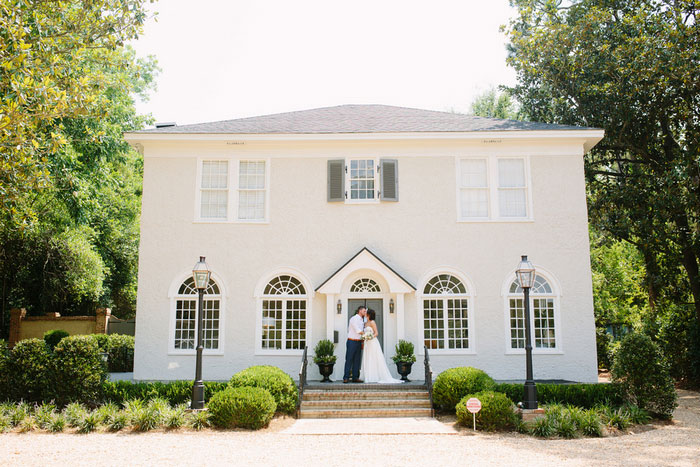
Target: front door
[[373, 304]]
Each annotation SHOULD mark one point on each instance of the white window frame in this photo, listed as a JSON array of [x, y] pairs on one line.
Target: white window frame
[[174, 297], [348, 195], [234, 165], [260, 297], [470, 296], [555, 296], [493, 187]]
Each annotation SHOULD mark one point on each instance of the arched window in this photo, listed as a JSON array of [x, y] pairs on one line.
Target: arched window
[[186, 316], [365, 285], [542, 319], [445, 313], [284, 305]]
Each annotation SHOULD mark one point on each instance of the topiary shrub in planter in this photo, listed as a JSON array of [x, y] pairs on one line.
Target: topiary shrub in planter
[[325, 358], [497, 412], [452, 385], [54, 336], [121, 353], [276, 381], [638, 367], [242, 407], [78, 370], [30, 370]]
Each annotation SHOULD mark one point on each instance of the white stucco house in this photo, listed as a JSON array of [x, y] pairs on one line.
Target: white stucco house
[[421, 215]]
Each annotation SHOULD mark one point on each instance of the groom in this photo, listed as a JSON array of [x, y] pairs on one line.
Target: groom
[[353, 348]]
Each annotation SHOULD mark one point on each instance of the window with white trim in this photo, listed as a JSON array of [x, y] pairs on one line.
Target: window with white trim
[[284, 305], [251, 190], [185, 329], [493, 188], [362, 180], [214, 190], [235, 191], [445, 314], [543, 314], [365, 285]]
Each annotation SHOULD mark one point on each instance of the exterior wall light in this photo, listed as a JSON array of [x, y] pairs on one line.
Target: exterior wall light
[[340, 307], [391, 305]]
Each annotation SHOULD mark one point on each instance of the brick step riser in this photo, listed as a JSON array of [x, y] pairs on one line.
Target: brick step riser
[[365, 405], [366, 414], [361, 396], [367, 388]]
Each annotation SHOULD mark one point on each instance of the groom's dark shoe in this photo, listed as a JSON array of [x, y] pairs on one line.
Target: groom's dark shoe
[[345, 381], [357, 380]]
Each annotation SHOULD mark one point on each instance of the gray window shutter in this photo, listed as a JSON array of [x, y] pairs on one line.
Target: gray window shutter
[[336, 180], [389, 174]]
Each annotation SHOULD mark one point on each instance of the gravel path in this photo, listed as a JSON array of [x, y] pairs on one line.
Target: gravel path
[[676, 443]]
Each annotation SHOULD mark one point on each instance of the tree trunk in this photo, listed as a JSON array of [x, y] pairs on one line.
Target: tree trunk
[[690, 263], [651, 278]]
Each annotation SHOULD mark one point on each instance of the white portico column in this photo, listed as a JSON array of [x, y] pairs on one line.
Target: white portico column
[[330, 316], [400, 327]]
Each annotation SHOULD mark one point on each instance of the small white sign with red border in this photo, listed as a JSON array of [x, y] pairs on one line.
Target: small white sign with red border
[[473, 405]]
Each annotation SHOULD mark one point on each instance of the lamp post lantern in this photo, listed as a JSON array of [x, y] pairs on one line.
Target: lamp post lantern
[[526, 277], [200, 274]]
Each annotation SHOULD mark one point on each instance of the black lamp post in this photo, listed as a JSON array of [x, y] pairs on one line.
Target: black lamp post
[[200, 274], [526, 277]]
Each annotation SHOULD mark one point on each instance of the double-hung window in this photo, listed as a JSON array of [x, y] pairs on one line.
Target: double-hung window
[[233, 190], [493, 188], [362, 180]]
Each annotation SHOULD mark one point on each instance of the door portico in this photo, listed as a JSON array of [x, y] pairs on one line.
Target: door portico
[[365, 277]]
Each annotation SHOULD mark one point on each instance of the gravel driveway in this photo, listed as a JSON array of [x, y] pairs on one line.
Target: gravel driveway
[[676, 443]]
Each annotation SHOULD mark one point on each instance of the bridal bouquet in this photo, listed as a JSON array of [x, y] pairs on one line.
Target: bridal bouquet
[[368, 335]]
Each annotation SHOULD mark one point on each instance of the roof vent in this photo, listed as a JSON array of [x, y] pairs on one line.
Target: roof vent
[[165, 124]]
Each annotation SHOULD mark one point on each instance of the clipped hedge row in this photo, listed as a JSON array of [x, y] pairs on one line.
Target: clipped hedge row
[[119, 347], [497, 411], [452, 385], [276, 381], [175, 392], [242, 407], [581, 395]]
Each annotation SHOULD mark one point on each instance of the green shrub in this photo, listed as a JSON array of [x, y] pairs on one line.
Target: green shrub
[[175, 392], [57, 423], [30, 370], [107, 412], [19, 412], [581, 395], [78, 370], [278, 383], [590, 424], [637, 416], [603, 342], [5, 423], [645, 380], [27, 424], [43, 414], [103, 342], [74, 413], [618, 418], [543, 427], [5, 372], [404, 352], [89, 423], [452, 385], [53, 337], [324, 352], [497, 411], [121, 353], [119, 421], [242, 407], [199, 420], [175, 417], [566, 427]]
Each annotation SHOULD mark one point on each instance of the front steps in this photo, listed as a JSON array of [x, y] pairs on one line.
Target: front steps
[[355, 400]]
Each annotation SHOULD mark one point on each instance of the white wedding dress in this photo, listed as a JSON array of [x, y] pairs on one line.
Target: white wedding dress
[[374, 369]]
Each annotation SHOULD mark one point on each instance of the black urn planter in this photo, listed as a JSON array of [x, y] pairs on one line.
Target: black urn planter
[[326, 370], [404, 369]]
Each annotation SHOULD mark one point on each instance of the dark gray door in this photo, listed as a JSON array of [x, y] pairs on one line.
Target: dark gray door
[[374, 304]]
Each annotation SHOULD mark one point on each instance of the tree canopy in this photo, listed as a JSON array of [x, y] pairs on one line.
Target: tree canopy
[[631, 67]]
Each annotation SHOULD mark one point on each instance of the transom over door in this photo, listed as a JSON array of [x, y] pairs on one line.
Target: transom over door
[[373, 304]]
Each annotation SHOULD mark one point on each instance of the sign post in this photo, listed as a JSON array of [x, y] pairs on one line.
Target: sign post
[[474, 405]]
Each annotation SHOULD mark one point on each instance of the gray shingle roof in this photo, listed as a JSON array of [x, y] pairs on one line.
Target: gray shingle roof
[[359, 119]]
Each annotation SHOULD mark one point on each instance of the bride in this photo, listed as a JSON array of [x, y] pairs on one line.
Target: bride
[[373, 364]]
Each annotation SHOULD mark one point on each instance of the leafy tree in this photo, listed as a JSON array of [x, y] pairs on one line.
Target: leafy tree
[[49, 72], [71, 204], [631, 67], [495, 104]]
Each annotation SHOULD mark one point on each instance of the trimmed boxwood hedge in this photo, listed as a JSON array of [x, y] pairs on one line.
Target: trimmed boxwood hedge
[[242, 407], [175, 392], [276, 381], [581, 395], [77, 370], [497, 411], [121, 353], [452, 385], [30, 371]]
